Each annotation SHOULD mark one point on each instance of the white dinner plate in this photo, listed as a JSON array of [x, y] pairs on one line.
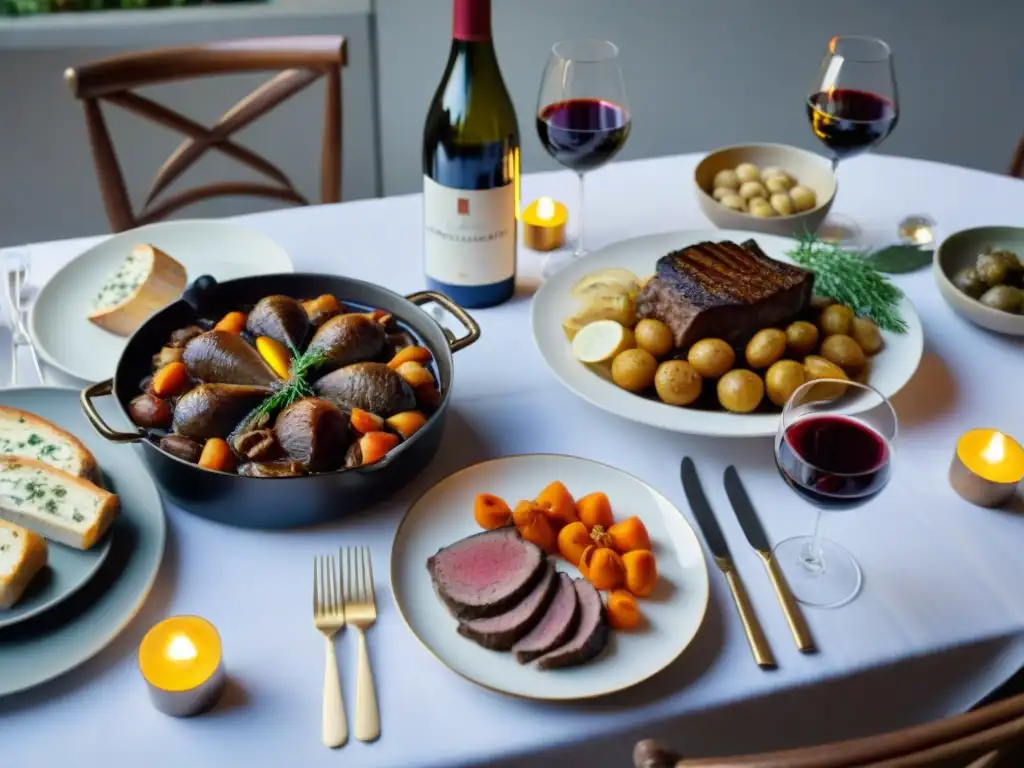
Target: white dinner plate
[[890, 369], [444, 514], [67, 635], [58, 322]]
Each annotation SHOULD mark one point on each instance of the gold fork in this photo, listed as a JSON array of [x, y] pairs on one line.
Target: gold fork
[[361, 612], [329, 617]]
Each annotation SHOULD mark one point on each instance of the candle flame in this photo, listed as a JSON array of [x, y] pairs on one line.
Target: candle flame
[[181, 648], [995, 451], [545, 208]]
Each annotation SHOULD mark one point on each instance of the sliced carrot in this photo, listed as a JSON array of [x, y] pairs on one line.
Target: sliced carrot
[[415, 374], [232, 322], [170, 380], [217, 455], [407, 423], [364, 421], [276, 354], [410, 354], [374, 446]]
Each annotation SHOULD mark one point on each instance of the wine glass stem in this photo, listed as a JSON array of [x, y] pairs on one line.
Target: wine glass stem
[[579, 241], [811, 558]]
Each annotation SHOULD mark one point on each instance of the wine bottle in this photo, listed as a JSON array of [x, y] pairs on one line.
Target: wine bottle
[[471, 170]]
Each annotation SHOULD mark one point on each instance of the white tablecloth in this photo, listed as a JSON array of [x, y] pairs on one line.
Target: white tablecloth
[[939, 623]]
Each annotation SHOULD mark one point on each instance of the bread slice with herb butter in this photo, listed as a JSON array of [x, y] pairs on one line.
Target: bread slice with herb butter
[[22, 555], [53, 503], [147, 280], [33, 437]]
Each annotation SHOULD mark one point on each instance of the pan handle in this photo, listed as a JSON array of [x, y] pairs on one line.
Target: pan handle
[[103, 389], [472, 327]]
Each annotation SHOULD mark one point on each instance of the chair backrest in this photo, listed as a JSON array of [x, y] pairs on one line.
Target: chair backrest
[[298, 61], [1017, 164], [954, 742]]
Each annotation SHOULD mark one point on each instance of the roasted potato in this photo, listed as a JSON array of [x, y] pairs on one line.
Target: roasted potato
[[677, 382]]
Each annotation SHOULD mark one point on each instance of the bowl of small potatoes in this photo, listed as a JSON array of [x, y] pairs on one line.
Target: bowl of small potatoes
[[770, 188]]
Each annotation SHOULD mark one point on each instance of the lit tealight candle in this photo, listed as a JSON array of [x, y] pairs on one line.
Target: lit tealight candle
[[987, 467], [180, 660], [544, 224]]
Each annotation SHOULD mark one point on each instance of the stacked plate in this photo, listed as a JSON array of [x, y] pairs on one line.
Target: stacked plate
[[82, 599]]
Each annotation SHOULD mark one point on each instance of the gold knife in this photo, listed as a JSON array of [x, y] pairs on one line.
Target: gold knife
[[758, 539], [720, 549]]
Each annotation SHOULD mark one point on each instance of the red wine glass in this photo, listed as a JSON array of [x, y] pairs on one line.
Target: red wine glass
[[852, 108], [582, 115], [834, 448]]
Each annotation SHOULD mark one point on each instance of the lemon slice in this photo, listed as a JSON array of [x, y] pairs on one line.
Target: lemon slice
[[605, 282], [600, 341]]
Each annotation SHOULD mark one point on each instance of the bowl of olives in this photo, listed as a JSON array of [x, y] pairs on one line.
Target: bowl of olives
[[980, 274]]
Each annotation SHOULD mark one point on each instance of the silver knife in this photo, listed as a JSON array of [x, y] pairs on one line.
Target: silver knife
[[720, 549], [758, 539]]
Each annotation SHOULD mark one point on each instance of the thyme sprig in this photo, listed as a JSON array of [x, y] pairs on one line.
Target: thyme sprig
[[298, 384], [843, 275]]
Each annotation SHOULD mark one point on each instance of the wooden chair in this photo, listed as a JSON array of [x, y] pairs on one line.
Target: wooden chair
[[299, 61], [982, 738], [1017, 165]]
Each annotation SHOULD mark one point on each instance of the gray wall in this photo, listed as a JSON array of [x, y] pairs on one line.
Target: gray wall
[[48, 187], [700, 74], [707, 73]]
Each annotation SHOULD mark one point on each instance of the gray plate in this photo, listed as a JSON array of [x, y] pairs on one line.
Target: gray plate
[[66, 571], [68, 634]]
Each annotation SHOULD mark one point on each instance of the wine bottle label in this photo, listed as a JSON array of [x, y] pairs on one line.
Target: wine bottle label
[[470, 234]]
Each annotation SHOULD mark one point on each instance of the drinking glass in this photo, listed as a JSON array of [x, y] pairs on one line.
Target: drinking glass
[[853, 107], [582, 115], [834, 448]]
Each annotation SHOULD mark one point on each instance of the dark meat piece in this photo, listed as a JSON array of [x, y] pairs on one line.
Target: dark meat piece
[[723, 290]]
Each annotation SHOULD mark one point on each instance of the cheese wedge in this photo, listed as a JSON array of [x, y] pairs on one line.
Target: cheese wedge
[[33, 437], [53, 503], [146, 281], [22, 555]]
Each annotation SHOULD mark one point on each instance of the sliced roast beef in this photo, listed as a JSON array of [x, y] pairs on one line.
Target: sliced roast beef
[[500, 632], [556, 625], [486, 574], [591, 634]]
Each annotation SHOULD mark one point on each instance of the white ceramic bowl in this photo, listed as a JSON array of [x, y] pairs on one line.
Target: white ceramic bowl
[[809, 169], [961, 250]]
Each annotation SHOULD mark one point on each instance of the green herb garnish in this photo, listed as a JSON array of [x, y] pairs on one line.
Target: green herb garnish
[[297, 385], [897, 259], [849, 278]]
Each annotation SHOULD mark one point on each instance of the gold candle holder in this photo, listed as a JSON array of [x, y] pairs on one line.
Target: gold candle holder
[[544, 224], [987, 467], [181, 661]]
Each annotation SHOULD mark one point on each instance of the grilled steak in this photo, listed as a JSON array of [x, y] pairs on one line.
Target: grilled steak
[[723, 290], [591, 634], [500, 632], [555, 627], [487, 573]]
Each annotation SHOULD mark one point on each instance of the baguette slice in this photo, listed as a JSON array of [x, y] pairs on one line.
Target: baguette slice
[[53, 503], [22, 555], [147, 280], [33, 437]]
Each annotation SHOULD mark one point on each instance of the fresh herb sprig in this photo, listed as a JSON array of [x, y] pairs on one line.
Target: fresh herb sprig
[[845, 276], [298, 384]]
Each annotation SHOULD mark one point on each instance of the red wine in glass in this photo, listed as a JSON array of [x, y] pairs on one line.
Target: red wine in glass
[[582, 134], [833, 461], [850, 121]]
